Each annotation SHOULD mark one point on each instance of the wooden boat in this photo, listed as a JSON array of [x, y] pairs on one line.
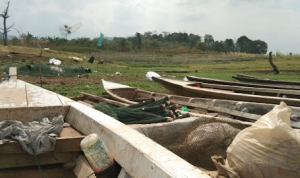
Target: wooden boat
[[137, 154], [249, 111], [243, 84], [251, 79], [260, 95]]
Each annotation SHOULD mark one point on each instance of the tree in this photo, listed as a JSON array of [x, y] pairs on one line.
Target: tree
[[230, 44], [193, 40], [5, 29], [148, 34], [257, 47], [242, 43], [65, 30], [28, 38], [123, 44], [208, 39], [139, 40]]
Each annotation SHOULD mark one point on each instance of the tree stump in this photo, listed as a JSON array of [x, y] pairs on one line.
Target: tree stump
[[272, 64]]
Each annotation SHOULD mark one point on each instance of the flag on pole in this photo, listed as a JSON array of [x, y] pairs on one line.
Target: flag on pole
[[100, 39]]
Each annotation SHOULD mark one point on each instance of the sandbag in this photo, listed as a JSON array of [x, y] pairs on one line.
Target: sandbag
[[269, 148]]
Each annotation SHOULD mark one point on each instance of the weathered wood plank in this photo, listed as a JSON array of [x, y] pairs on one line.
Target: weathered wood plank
[[83, 168], [64, 100], [87, 103], [52, 171], [37, 96], [116, 103], [22, 160], [25, 114], [13, 73], [13, 98], [124, 174], [13, 94]]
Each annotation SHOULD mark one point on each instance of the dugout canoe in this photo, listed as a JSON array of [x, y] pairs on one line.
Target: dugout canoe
[[243, 84], [251, 94], [137, 154], [249, 111], [252, 79]]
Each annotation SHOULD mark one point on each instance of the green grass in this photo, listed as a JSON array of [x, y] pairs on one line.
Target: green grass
[[135, 65], [96, 89]]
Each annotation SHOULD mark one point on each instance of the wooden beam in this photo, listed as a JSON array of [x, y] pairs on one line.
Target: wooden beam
[[23, 160], [13, 73], [100, 99], [52, 171], [83, 168], [37, 96], [27, 114], [220, 110]]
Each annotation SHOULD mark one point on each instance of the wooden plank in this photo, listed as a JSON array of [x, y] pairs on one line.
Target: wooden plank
[[52, 171], [69, 141], [118, 98], [25, 114], [37, 96], [183, 103], [13, 73], [23, 160], [235, 113], [13, 94], [85, 103], [83, 168], [64, 100], [94, 97], [13, 98], [124, 174], [252, 89], [221, 110], [137, 154], [226, 82]]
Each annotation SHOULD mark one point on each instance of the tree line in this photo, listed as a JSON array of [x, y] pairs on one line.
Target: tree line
[[149, 41]]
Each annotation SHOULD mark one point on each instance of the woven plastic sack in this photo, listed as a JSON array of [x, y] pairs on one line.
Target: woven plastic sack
[[269, 148]]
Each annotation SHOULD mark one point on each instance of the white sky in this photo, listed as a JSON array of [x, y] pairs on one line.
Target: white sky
[[277, 22]]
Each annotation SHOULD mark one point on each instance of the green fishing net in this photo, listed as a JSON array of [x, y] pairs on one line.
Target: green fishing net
[[146, 112]]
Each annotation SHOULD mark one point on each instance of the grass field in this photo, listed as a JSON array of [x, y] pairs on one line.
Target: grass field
[[133, 67]]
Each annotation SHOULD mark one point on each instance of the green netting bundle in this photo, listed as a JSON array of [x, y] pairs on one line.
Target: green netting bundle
[[147, 112], [48, 70], [106, 109], [129, 115]]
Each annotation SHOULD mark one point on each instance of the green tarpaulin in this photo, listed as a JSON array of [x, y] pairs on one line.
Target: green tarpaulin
[[100, 39]]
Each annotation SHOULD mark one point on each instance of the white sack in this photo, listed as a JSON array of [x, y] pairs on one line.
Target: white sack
[[150, 74], [54, 61], [269, 148]]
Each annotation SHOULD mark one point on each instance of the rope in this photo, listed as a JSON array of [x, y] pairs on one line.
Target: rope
[[36, 160]]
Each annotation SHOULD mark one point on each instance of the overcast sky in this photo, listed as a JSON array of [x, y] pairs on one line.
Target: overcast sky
[[277, 22]]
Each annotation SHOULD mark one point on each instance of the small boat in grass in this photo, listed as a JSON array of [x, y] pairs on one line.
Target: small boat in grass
[[249, 111], [243, 84], [237, 93], [252, 79]]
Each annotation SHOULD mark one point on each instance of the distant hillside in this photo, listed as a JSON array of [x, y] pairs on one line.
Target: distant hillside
[[108, 38]]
